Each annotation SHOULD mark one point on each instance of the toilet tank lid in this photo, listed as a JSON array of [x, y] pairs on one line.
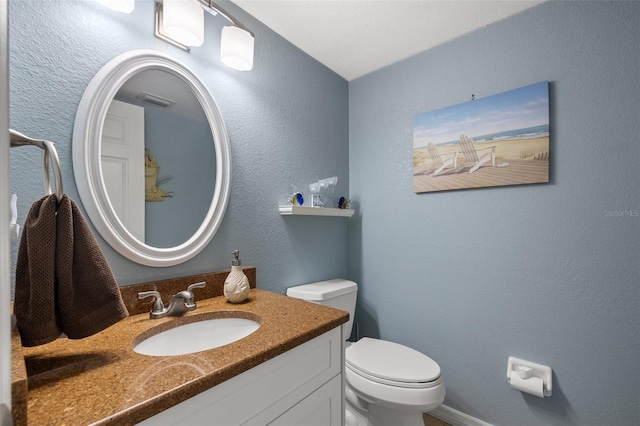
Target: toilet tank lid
[[322, 290]]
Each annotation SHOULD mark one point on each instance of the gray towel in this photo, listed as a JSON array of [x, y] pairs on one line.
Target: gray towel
[[63, 281]]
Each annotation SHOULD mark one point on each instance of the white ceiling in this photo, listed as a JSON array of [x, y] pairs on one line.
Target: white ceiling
[[356, 37]]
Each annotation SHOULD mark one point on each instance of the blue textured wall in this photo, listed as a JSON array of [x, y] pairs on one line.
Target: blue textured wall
[[183, 148], [287, 122], [548, 273], [543, 272]]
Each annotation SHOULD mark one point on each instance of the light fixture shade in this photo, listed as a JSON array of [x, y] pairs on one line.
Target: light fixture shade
[[183, 21], [236, 48], [124, 6]]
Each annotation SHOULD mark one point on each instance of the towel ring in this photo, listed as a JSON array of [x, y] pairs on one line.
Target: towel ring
[[18, 139]]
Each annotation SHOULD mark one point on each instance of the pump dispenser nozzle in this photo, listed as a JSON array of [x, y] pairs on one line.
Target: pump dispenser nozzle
[[236, 261]]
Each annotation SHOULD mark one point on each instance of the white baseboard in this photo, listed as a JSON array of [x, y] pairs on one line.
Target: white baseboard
[[455, 417]]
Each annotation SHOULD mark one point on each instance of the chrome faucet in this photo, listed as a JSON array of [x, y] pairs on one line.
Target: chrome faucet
[[179, 304]]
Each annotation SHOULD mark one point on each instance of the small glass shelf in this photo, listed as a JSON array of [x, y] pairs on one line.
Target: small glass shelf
[[314, 211]]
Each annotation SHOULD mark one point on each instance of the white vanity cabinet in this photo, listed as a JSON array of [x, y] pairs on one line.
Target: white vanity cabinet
[[303, 386]]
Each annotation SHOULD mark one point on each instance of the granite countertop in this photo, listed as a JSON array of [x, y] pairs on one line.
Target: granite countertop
[[101, 380]]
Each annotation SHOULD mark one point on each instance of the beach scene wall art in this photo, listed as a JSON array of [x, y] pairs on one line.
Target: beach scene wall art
[[498, 140]]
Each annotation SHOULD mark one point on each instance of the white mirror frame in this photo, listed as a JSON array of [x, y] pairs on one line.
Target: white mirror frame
[[87, 165]]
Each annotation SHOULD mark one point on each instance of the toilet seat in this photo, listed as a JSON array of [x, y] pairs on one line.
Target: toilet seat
[[392, 364], [394, 376]]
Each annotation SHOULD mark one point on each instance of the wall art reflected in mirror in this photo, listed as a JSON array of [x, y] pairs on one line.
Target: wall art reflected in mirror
[[151, 158]]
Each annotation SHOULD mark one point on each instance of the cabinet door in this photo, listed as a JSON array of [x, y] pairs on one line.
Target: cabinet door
[[262, 394], [322, 408]]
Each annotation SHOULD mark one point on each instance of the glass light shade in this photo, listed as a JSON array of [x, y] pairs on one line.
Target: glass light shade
[[124, 6], [236, 48], [183, 21]]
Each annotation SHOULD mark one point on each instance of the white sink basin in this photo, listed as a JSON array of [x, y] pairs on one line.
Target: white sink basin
[[197, 336]]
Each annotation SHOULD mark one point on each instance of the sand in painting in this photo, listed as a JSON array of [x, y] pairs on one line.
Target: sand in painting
[[507, 149]]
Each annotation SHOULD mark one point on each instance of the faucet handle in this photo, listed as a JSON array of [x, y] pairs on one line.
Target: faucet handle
[[158, 306], [202, 284], [190, 299]]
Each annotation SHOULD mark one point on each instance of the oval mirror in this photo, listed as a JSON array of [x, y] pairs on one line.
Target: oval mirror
[[151, 158]]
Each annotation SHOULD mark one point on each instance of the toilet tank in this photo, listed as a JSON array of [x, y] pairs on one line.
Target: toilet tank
[[336, 293]]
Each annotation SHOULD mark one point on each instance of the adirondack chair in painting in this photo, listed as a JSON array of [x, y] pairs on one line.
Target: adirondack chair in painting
[[440, 162], [471, 156]]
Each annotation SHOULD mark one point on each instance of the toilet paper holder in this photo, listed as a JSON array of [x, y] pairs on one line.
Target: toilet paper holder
[[527, 370]]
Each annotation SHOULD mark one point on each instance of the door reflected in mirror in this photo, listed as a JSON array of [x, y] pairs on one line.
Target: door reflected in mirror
[[158, 159]]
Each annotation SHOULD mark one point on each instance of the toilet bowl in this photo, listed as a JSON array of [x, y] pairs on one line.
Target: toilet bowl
[[386, 383]]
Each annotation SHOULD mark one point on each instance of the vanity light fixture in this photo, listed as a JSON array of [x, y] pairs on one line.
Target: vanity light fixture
[[236, 42], [236, 48], [124, 6], [182, 22]]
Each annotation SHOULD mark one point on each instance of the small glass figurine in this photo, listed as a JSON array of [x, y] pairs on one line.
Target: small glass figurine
[[343, 203], [297, 199], [316, 199]]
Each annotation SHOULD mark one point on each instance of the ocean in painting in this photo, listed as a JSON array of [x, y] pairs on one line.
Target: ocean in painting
[[517, 114], [526, 133]]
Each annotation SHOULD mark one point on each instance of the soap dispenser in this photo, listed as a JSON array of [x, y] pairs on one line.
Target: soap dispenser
[[236, 286]]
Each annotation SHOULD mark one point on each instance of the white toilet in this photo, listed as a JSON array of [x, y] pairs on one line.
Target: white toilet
[[386, 383]]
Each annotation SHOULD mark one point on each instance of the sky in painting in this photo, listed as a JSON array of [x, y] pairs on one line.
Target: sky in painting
[[517, 109]]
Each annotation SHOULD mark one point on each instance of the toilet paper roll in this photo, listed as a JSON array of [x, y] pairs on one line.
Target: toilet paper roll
[[533, 385]]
